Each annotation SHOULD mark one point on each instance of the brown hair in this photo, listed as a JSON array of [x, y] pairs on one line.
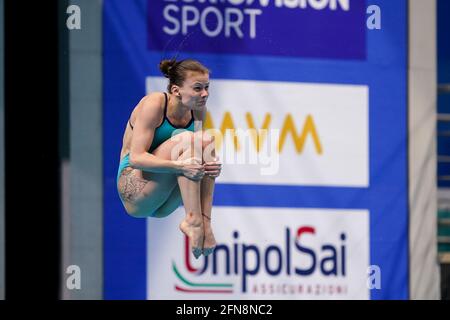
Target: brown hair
[[176, 71]]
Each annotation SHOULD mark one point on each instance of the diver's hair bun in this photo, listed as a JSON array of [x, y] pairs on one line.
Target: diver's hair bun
[[165, 66], [177, 71]]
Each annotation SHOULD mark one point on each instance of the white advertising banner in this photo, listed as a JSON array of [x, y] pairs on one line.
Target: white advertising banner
[[263, 253], [288, 133]]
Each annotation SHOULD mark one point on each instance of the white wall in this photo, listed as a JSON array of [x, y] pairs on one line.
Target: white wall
[[423, 262], [82, 175]]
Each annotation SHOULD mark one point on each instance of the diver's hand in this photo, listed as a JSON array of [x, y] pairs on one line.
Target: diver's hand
[[213, 168], [191, 168]]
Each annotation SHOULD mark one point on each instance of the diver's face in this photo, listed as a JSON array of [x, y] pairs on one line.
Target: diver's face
[[195, 90]]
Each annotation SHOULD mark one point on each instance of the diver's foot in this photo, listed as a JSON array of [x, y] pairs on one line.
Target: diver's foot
[[193, 228], [209, 243]]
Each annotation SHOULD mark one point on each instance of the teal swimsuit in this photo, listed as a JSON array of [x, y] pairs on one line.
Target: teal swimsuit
[[162, 133]]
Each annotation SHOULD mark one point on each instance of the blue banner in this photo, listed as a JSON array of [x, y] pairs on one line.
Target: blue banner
[[321, 29], [303, 50]]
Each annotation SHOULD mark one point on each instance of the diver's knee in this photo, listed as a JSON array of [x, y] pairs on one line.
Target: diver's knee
[[207, 138], [184, 143]]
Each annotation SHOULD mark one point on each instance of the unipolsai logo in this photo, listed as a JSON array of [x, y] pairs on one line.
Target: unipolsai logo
[[299, 264]]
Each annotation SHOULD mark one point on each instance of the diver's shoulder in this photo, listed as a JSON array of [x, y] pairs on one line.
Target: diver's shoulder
[[153, 98], [152, 105]]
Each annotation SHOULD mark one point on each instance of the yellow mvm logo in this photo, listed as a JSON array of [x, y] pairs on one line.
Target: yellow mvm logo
[[258, 136]]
